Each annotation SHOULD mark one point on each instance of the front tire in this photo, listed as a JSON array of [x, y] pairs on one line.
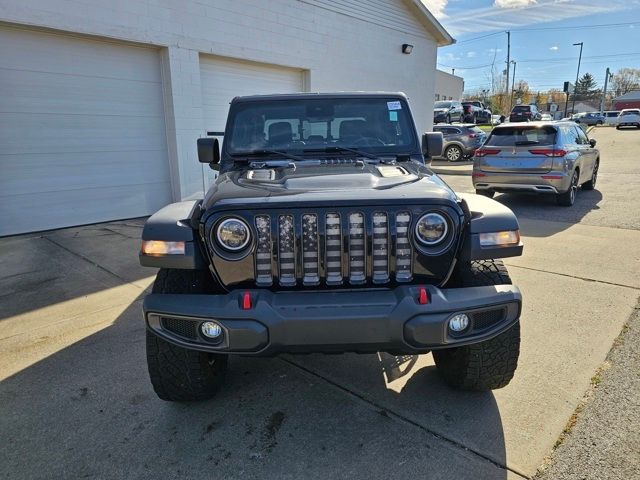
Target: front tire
[[487, 365], [179, 374]]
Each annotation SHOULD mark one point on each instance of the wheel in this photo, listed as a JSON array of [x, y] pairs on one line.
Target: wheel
[[486, 365], [568, 198], [486, 193], [178, 374], [453, 153], [591, 184], [617, 127]]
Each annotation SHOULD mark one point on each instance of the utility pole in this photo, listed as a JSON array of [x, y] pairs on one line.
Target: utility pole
[[604, 93], [508, 65], [453, 71], [513, 83], [575, 88]]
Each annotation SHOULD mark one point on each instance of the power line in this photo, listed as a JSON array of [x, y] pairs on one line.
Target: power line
[[595, 25], [479, 38]]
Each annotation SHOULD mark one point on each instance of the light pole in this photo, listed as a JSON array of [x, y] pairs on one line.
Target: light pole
[[608, 76], [575, 88]]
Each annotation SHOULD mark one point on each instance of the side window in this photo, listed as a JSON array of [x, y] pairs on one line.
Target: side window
[[584, 140]]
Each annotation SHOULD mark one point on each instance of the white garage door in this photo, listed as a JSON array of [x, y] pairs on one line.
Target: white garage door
[[222, 79], [82, 134]]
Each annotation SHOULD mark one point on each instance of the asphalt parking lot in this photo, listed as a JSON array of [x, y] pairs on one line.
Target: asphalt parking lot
[[75, 400]]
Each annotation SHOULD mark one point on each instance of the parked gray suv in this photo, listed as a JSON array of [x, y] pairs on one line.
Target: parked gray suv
[[540, 157], [460, 141]]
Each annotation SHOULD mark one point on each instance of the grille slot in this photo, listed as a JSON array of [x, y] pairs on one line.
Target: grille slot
[[333, 250], [310, 255], [356, 248], [287, 251], [488, 318], [264, 274], [403, 247], [182, 328], [380, 247]]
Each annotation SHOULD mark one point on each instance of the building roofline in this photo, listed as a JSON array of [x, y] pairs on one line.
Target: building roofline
[[431, 23]]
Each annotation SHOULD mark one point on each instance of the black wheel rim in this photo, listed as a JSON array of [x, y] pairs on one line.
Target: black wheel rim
[[574, 186], [594, 177]]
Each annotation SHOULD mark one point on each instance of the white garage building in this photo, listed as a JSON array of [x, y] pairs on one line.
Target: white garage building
[[101, 102]]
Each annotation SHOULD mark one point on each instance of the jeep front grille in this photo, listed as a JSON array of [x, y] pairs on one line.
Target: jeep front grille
[[333, 248]]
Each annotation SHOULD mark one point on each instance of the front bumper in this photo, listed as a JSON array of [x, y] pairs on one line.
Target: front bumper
[[549, 182], [360, 321]]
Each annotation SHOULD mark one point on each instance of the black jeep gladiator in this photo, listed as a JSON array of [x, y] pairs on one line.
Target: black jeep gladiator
[[326, 231]]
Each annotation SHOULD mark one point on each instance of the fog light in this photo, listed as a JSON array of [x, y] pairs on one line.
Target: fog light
[[211, 330], [458, 323]]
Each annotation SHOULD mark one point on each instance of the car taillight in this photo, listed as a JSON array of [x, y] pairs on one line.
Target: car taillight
[[482, 152], [527, 114], [549, 152]]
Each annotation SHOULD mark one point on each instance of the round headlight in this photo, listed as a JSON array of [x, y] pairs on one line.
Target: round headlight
[[233, 234], [431, 229]]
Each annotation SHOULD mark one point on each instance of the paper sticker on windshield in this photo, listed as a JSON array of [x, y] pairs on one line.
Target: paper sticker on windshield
[[393, 116], [394, 106]]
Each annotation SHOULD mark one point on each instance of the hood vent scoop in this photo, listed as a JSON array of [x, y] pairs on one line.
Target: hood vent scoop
[[389, 171], [261, 175]]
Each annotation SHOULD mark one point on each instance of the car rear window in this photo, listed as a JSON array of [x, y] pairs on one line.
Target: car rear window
[[521, 108], [517, 136], [476, 129]]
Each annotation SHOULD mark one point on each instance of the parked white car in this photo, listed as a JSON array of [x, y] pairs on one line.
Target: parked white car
[[611, 117], [629, 117]]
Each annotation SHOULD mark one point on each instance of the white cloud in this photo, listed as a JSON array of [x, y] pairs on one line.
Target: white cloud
[[436, 7], [521, 13], [554, 48], [471, 54], [513, 3]]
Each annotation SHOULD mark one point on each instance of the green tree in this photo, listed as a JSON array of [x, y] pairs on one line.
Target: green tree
[[587, 88]]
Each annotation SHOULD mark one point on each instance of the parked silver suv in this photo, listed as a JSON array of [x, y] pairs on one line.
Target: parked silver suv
[[460, 141], [538, 157]]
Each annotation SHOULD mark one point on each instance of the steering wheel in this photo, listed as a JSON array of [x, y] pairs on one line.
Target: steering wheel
[[368, 142]]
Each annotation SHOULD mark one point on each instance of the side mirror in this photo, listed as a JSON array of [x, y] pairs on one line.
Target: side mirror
[[432, 145], [209, 152], [592, 142]]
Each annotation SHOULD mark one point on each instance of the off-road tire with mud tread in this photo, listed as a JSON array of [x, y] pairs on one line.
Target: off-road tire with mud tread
[[487, 365], [179, 374]]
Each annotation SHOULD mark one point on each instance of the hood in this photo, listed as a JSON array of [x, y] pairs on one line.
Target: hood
[[328, 184]]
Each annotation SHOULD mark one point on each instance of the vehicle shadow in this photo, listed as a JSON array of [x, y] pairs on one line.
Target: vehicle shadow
[[88, 410], [544, 207], [52, 263]]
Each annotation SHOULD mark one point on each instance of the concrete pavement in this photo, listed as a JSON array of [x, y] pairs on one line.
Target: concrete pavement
[[75, 399]]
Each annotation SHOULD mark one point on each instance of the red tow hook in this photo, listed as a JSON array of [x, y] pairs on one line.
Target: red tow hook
[[423, 296], [246, 301]]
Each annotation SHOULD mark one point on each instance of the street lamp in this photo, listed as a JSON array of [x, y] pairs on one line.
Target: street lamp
[[575, 88]]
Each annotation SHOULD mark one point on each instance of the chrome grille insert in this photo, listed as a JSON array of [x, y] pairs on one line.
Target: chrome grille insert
[[403, 247]]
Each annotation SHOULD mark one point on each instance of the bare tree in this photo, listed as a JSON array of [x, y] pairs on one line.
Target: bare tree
[[626, 80]]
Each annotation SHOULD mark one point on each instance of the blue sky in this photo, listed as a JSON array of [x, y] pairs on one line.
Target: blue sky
[[542, 34]]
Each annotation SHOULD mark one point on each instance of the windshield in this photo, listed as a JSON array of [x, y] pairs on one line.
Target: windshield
[[300, 125], [516, 136], [442, 105], [629, 112]]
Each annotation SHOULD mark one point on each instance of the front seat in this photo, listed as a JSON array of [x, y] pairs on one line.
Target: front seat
[[280, 134]]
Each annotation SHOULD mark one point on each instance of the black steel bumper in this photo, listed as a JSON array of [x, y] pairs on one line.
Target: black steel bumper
[[359, 321]]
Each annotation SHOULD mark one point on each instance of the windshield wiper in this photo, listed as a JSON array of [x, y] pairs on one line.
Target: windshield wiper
[[264, 152], [527, 142], [343, 149]]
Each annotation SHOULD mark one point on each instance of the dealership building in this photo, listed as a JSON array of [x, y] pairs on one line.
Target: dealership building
[[101, 102]]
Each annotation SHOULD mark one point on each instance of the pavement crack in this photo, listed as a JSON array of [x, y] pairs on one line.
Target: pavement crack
[[577, 277], [400, 417], [86, 259]]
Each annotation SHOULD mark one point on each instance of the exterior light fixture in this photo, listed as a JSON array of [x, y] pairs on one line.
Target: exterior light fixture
[[406, 48]]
